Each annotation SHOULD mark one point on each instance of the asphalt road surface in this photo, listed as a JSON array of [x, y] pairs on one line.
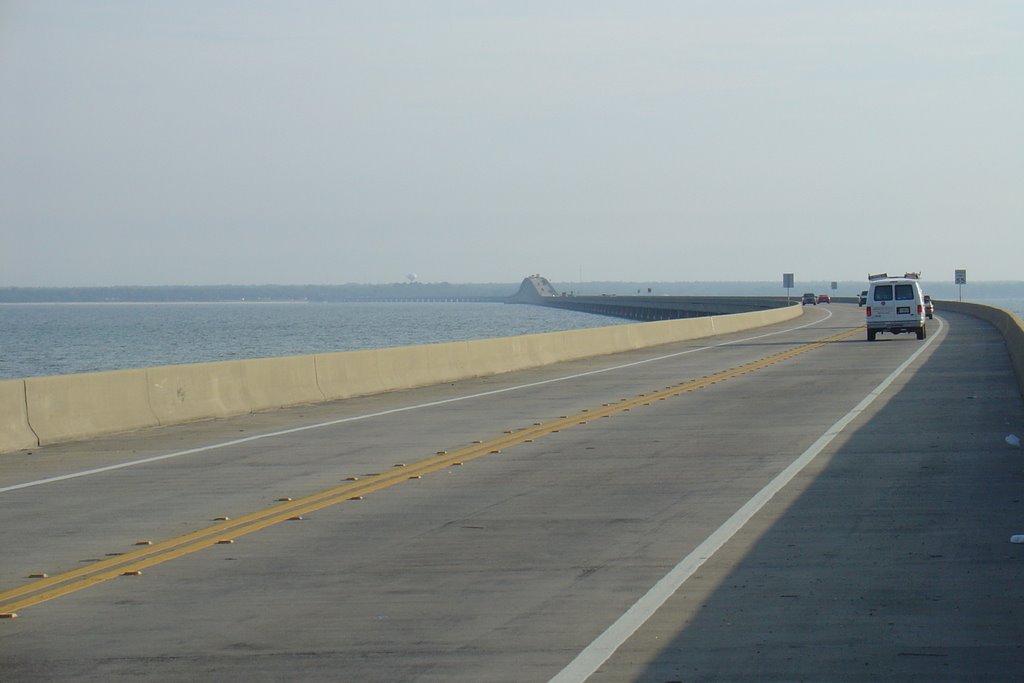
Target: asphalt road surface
[[789, 503]]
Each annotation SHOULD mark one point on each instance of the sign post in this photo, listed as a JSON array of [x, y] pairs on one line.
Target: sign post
[[787, 282], [960, 279]]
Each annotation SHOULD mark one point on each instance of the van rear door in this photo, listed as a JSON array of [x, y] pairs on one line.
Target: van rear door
[[905, 300], [881, 306]]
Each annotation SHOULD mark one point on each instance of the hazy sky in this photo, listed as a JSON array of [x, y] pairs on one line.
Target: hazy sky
[[243, 142]]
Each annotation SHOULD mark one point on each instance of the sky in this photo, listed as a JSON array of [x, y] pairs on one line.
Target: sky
[[306, 142]]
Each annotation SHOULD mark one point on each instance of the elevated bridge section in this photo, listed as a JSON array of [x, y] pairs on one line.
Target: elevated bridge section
[[537, 290]]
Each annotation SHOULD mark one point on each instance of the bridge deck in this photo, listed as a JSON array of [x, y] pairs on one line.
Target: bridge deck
[[886, 557]]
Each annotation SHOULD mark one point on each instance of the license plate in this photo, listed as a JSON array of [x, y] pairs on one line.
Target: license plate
[[903, 309]]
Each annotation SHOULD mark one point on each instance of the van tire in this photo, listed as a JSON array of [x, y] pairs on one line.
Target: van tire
[[871, 335], [921, 332]]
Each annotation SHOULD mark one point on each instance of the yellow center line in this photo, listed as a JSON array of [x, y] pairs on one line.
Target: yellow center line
[[49, 588]]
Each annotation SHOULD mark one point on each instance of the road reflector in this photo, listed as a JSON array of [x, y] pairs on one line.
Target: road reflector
[[221, 519], [143, 542], [399, 464], [351, 478], [356, 498], [296, 518], [226, 541], [8, 615], [132, 572], [496, 450], [416, 476], [38, 575], [283, 500], [442, 453]]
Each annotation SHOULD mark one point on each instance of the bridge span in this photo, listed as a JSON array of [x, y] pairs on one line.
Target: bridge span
[[786, 503], [539, 291]]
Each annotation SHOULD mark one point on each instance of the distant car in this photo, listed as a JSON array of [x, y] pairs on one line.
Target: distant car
[[929, 307], [824, 299], [862, 298], [809, 298]]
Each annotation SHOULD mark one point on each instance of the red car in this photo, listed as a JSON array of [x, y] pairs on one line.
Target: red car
[[824, 299]]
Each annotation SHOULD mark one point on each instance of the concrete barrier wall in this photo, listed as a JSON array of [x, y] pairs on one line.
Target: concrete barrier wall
[[181, 393], [15, 432], [69, 407], [1009, 324]]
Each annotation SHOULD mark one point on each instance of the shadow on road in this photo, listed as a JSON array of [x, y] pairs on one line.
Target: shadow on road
[[890, 560]]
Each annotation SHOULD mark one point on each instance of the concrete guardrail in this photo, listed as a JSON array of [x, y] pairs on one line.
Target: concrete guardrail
[[44, 410], [15, 432]]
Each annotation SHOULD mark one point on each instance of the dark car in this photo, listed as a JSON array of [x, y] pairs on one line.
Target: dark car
[[862, 298], [929, 307], [809, 298]]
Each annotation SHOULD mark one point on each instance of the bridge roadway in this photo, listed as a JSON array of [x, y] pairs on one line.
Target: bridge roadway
[[886, 557]]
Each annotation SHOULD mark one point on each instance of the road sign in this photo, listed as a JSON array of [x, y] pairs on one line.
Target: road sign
[[960, 278], [787, 282], [835, 285]]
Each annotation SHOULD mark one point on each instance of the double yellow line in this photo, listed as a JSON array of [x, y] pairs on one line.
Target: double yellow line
[[44, 588]]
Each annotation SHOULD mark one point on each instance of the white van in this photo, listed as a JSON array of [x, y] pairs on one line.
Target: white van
[[895, 305]]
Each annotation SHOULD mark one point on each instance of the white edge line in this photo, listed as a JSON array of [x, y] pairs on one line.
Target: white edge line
[[605, 645], [356, 418]]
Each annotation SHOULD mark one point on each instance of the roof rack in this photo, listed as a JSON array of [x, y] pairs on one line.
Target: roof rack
[[886, 276]]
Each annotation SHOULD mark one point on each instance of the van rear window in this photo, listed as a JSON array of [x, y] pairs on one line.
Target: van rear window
[[883, 293], [904, 292]]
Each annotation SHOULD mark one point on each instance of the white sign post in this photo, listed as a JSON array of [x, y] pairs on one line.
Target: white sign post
[[960, 279], [787, 282]]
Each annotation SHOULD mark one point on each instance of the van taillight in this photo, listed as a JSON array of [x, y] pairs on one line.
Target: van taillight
[[869, 311], [920, 309]]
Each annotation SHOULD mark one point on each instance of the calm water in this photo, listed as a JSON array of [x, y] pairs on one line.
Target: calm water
[[57, 339]]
